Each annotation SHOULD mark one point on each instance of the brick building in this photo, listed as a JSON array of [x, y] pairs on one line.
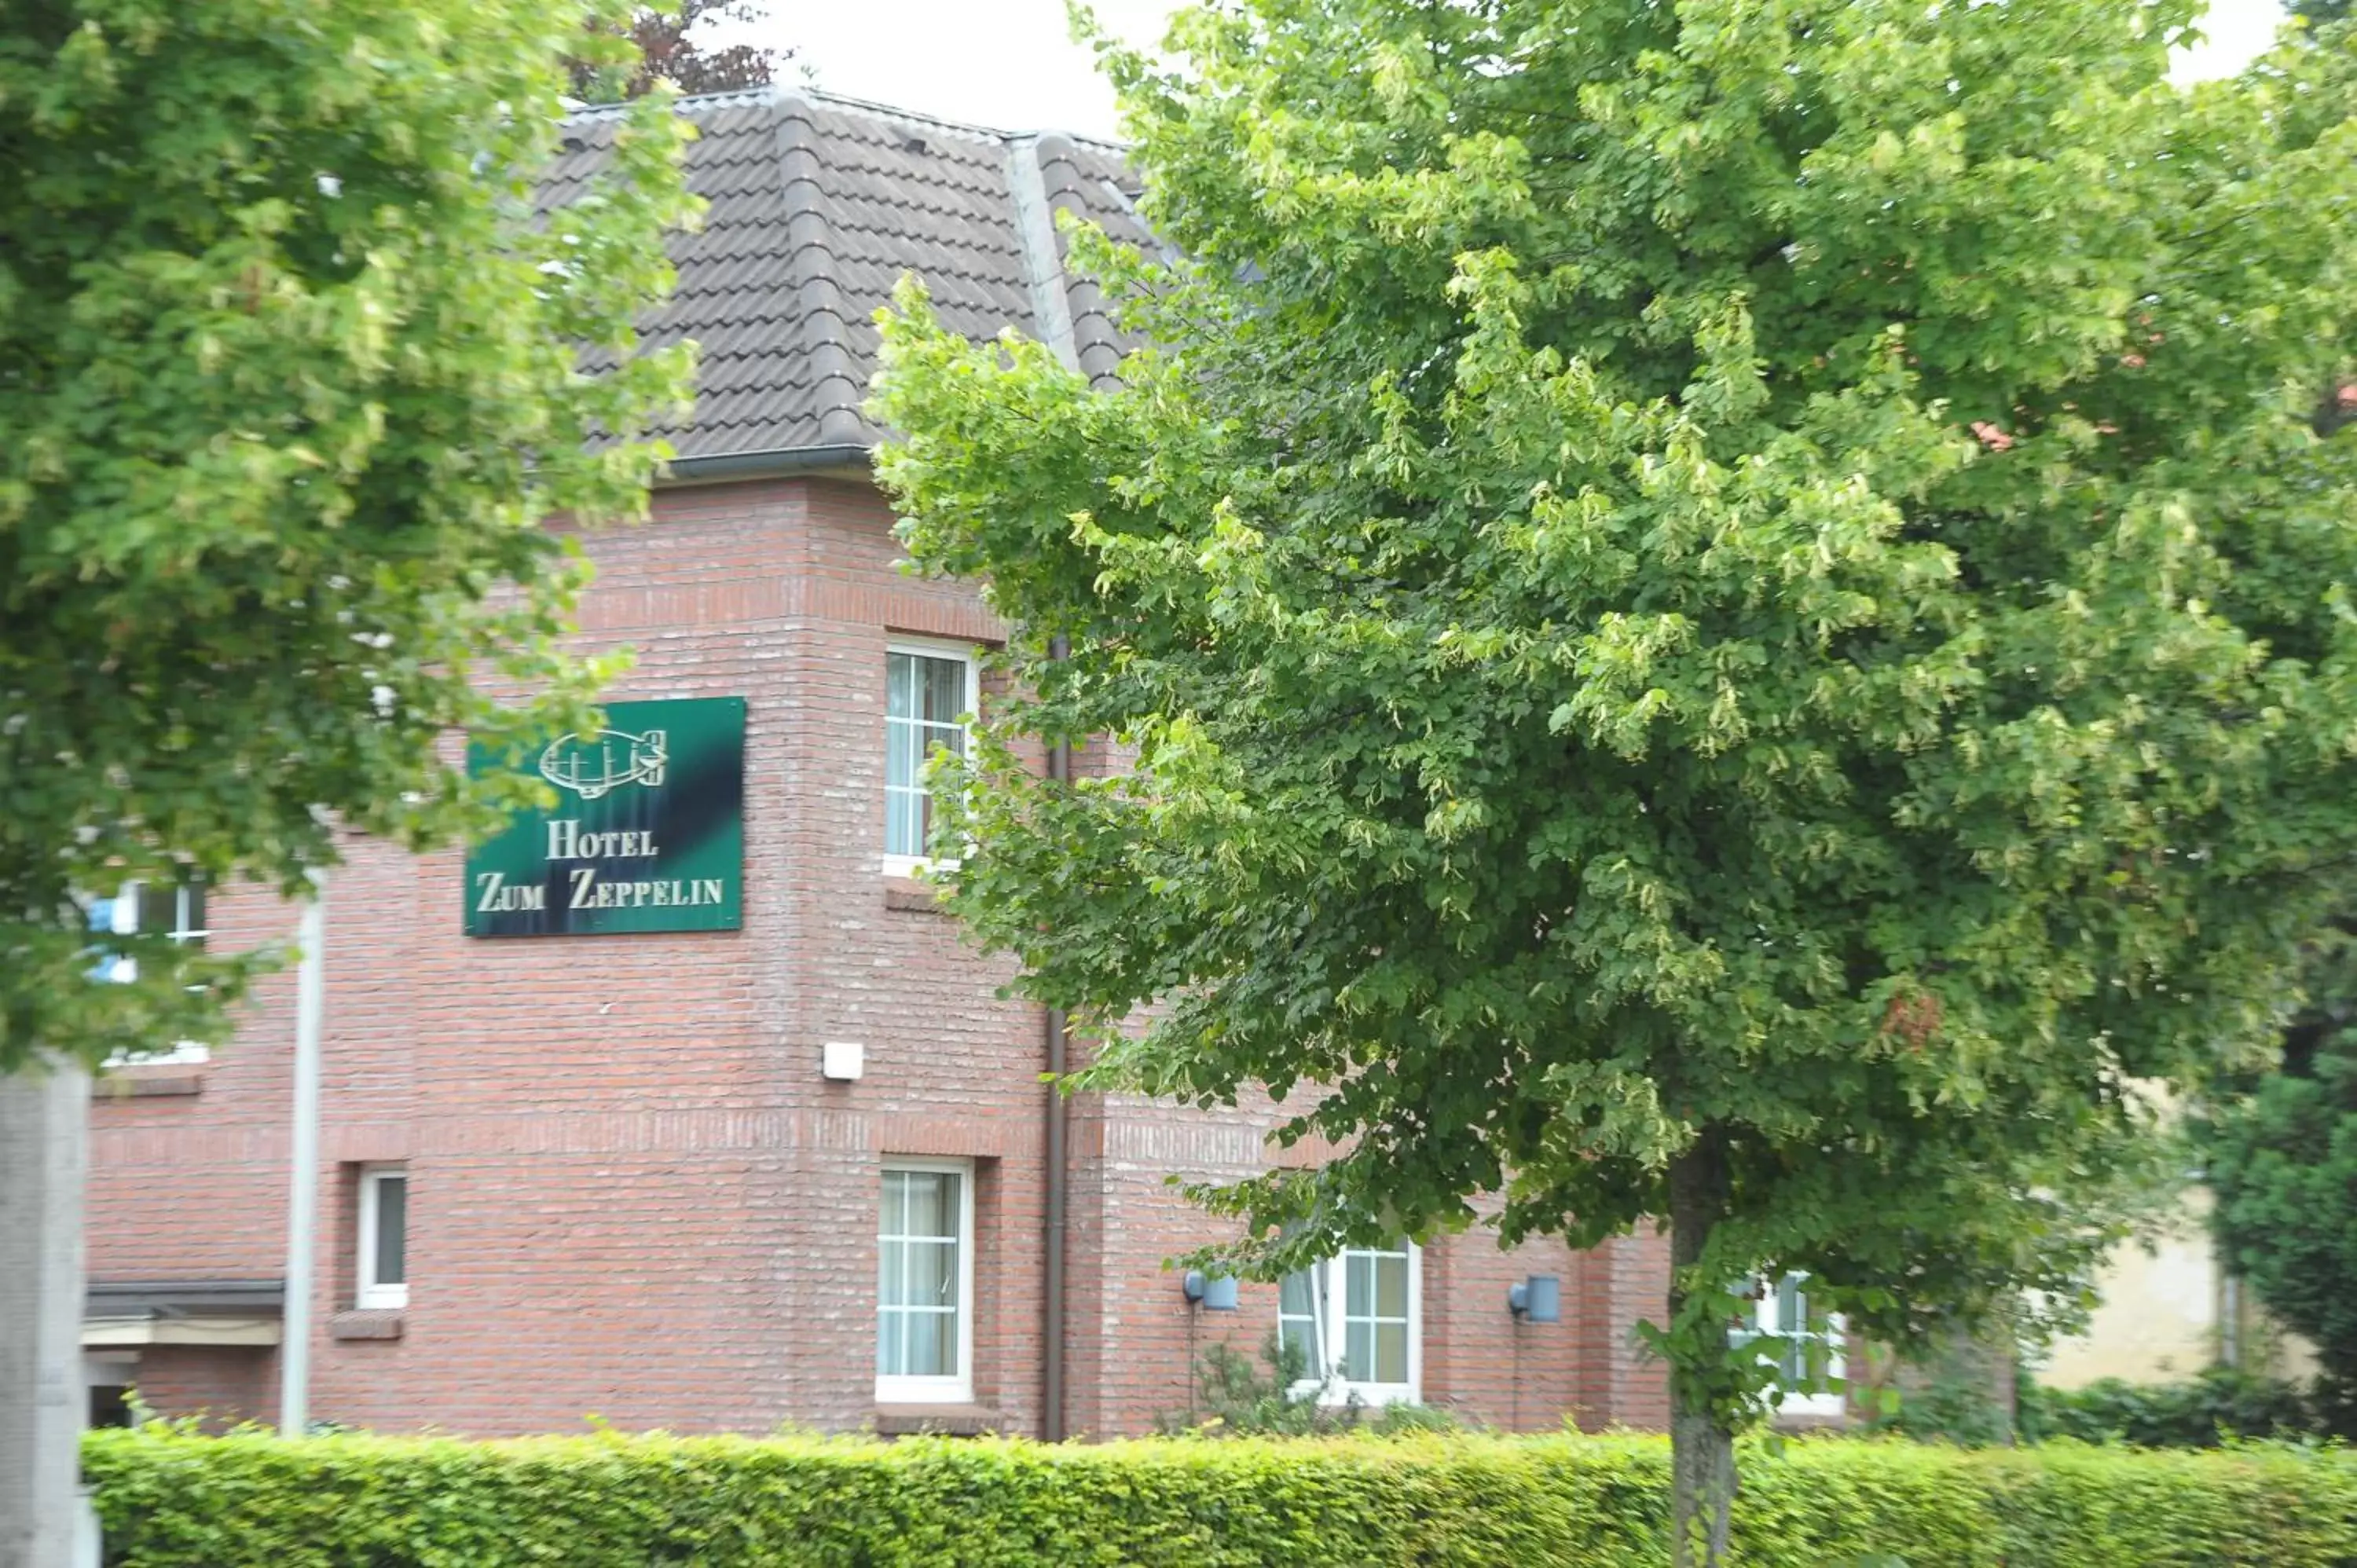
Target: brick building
[[794, 1169]]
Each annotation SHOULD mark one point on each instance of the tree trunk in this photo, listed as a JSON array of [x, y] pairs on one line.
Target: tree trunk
[[1702, 1444], [44, 1139]]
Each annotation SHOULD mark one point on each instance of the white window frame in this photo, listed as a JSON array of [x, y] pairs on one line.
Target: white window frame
[[957, 1387], [1327, 1382], [963, 653], [370, 1293], [123, 920], [1767, 1311]]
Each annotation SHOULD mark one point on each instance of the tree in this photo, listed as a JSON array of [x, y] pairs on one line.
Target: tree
[[666, 52], [1730, 614], [2282, 1160], [2319, 11], [290, 374]]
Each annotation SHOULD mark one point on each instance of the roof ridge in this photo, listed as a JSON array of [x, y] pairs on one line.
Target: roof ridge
[[779, 92], [918, 117], [837, 386], [747, 96], [913, 116], [1043, 264], [1092, 337]]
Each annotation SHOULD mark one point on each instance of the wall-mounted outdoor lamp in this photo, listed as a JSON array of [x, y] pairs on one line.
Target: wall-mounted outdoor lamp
[[1212, 1292], [1538, 1299]]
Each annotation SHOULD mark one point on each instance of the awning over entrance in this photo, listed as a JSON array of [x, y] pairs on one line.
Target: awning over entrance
[[124, 1315]]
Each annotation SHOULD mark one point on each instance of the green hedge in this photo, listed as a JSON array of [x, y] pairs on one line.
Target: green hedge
[[2199, 1412], [177, 1501]]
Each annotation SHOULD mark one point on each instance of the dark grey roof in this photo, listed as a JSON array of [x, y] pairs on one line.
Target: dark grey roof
[[818, 205]]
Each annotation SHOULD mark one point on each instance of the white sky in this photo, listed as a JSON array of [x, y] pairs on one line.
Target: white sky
[[1011, 64]]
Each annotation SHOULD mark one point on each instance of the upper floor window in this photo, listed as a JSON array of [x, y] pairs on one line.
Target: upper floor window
[[1807, 1346], [174, 910], [383, 1271], [1356, 1321], [928, 690]]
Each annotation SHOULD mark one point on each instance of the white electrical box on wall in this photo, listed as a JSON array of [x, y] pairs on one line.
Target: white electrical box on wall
[[842, 1060]]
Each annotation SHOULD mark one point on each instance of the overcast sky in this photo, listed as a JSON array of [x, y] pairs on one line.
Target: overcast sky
[[1011, 64]]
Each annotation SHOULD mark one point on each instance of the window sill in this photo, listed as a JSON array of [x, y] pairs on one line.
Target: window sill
[[367, 1323], [141, 1080], [935, 1420], [908, 893], [1369, 1396], [1803, 1418]]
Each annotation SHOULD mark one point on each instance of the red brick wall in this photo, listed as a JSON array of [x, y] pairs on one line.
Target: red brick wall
[[1621, 1384], [224, 1387], [1135, 1337], [1478, 1358], [632, 1194]]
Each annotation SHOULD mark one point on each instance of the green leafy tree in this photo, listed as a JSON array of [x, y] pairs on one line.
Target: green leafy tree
[[2319, 11], [2282, 1160], [1731, 614], [292, 373]]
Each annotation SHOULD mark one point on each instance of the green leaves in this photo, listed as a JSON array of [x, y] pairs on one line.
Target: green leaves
[[290, 378], [1768, 572]]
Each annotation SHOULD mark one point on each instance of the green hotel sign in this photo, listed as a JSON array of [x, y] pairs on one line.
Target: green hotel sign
[[648, 833]]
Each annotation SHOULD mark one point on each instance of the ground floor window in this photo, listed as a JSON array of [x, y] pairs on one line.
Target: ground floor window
[[1355, 1323], [109, 1376], [110, 1405], [924, 1284], [1807, 1345]]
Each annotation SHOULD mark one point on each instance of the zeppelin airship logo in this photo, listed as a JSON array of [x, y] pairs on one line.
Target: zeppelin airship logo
[[592, 769]]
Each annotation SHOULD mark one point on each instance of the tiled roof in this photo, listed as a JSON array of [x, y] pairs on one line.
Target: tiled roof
[[817, 205]]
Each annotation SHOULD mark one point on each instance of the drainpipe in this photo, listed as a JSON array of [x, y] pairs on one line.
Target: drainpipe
[[1051, 1423], [303, 1195], [1051, 321], [1051, 1402]]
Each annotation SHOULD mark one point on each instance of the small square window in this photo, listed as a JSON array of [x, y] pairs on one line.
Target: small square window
[[175, 910], [383, 1229], [929, 689], [924, 1283]]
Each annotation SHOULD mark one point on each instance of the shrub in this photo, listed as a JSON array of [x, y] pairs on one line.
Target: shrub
[[1947, 1409], [2220, 1402], [1234, 1399], [2283, 1158], [173, 1500], [1960, 1392]]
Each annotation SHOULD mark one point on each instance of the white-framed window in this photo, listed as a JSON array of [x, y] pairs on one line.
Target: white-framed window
[[1808, 1345], [929, 689], [924, 1283], [382, 1273], [172, 909], [1357, 1320]]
